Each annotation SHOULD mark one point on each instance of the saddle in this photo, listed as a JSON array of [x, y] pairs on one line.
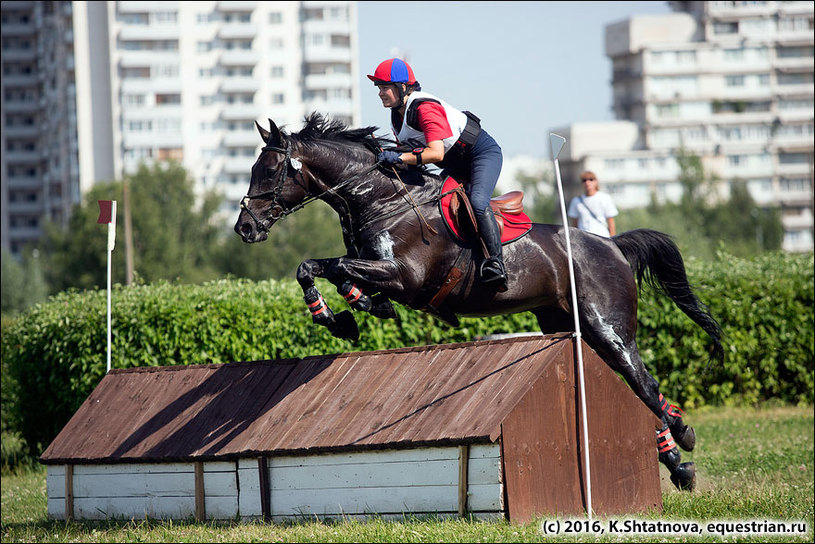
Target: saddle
[[459, 217]]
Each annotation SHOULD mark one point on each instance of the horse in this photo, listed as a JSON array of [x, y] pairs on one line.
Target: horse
[[400, 249]]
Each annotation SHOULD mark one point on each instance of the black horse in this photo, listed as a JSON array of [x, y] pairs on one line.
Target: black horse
[[398, 248]]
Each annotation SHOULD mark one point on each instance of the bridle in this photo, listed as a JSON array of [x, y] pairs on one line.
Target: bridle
[[281, 210]]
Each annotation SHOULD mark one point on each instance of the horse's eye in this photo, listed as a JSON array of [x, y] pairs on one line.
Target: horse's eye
[[269, 172]]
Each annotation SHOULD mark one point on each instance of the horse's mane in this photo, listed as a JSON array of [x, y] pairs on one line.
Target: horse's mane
[[319, 130], [322, 129]]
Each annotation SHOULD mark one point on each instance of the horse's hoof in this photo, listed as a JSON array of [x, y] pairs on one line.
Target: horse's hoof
[[382, 307], [684, 476], [686, 439], [345, 326]]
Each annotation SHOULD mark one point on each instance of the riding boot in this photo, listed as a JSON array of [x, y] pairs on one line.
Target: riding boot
[[492, 269]]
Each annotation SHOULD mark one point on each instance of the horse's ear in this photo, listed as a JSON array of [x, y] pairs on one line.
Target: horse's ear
[[269, 137]]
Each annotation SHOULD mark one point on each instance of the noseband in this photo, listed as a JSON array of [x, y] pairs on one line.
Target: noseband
[[274, 194]]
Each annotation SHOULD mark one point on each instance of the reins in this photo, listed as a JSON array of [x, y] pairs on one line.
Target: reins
[[296, 165], [275, 192]]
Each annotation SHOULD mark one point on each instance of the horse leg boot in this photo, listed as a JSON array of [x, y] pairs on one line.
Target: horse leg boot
[[341, 325], [492, 268], [684, 435], [378, 306], [683, 475]]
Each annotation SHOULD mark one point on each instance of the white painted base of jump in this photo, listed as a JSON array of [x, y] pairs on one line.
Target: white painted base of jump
[[388, 483]]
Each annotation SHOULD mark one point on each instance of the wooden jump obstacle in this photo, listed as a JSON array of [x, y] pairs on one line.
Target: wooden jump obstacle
[[488, 429]]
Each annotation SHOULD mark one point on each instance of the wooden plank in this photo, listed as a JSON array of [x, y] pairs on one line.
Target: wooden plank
[[136, 485], [366, 475], [463, 463], [249, 489], [69, 492], [133, 468], [367, 500], [390, 455], [136, 508], [200, 503]]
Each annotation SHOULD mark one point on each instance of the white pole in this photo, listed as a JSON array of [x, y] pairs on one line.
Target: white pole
[[110, 226], [557, 143], [111, 245]]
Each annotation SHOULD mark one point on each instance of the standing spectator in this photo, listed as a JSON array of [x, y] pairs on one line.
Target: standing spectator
[[595, 211]]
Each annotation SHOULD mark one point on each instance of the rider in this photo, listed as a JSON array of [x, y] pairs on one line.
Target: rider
[[439, 133]]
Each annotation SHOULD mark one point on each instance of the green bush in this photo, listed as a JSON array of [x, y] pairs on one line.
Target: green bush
[[55, 353]]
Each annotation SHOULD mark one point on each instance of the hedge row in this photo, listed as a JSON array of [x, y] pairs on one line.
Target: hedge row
[[55, 354]]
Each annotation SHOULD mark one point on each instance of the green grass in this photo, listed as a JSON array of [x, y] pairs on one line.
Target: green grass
[[752, 465]]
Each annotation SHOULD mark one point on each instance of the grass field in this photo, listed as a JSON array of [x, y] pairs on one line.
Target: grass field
[[753, 465]]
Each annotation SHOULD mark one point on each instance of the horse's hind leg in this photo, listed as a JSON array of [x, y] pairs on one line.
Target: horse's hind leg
[[617, 346]]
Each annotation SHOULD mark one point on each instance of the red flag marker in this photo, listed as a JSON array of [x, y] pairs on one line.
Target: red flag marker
[[105, 211]]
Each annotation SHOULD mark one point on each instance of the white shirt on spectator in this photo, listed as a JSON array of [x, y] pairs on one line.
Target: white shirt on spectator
[[592, 212]]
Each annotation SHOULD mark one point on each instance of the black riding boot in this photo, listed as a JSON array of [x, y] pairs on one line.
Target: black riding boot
[[492, 269]]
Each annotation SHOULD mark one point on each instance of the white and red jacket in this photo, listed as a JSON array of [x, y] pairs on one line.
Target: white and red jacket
[[412, 134]]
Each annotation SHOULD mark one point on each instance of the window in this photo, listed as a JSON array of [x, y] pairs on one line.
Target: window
[[275, 18], [734, 81], [277, 71], [168, 99], [170, 153], [278, 98], [135, 73], [725, 28], [795, 79]]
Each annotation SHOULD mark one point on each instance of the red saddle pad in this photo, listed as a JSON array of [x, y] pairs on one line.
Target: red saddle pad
[[515, 224]]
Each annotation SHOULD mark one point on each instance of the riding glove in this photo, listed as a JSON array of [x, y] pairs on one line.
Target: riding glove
[[389, 158]]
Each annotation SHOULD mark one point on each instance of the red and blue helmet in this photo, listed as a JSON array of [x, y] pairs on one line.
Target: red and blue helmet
[[393, 71]]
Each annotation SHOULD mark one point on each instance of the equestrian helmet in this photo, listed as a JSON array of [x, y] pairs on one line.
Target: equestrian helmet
[[393, 71]]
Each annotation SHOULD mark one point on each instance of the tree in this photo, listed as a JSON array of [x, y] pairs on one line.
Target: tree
[[541, 206], [173, 237], [700, 223], [312, 232], [23, 284]]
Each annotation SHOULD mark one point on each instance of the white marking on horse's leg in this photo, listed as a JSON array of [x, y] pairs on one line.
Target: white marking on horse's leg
[[606, 330], [383, 245]]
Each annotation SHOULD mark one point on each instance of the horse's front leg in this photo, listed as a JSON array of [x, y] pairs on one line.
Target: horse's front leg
[[352, 277], [341, 325]]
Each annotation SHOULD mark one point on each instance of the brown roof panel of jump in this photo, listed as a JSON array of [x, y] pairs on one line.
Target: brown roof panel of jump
[[452, 393]]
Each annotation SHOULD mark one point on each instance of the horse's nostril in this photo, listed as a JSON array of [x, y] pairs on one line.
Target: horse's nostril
[[244, 229]]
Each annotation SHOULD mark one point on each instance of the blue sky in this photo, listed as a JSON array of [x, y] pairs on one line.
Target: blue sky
[[523, 67]]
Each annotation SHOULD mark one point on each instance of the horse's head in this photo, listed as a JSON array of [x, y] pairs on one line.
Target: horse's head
[[277, 186]]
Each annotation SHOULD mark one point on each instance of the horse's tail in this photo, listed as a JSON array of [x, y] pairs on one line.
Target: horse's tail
[[656, 261]]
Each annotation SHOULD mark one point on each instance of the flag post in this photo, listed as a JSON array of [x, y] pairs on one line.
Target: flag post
[[107, 214], [557, 142]]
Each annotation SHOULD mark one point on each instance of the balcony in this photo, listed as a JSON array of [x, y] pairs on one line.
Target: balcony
[[239, 165], [239, 85], [152, 32], [239, 6], [237, 31], [312, 53], [328, 81], [241, 139], [240, 112], [146, 6], [239, 58]]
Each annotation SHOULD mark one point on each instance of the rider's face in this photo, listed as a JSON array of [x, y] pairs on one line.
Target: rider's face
[[388, 95]]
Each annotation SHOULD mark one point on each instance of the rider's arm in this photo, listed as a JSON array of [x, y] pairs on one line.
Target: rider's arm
[[433, 122], [434, 152]]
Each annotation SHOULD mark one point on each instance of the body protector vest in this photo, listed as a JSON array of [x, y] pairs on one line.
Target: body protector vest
[[464, 125]]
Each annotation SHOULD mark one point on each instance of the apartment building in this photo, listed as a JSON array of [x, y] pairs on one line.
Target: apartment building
[[731, 81], [37, 120], [184, 80]]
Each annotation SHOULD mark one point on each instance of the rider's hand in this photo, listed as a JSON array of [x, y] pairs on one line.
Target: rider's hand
[[389, 158]]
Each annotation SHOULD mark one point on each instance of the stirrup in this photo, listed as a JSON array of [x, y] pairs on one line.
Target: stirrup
[[493, 275]]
